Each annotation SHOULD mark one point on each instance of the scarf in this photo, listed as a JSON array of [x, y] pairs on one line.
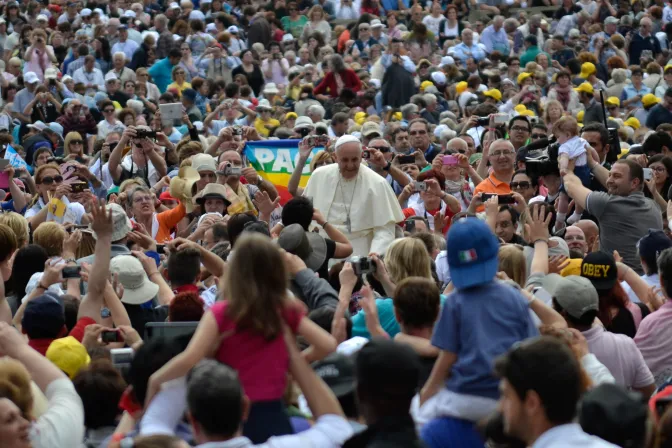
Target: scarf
[[564, 95], [240, 200], [453, 186]]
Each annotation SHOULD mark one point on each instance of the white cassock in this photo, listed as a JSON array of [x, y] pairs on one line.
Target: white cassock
[[367, 200]]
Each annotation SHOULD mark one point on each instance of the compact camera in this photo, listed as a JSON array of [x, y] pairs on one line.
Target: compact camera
[[363, 265], [144, 133]]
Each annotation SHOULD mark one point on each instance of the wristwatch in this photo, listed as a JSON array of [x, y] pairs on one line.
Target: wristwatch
[[387, 167]]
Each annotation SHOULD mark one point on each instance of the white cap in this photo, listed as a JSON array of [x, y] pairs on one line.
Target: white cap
[[232, 29], [42, 17], [446, 60], [51, 73], [84, 12], [210, 27], [30, 78], [66, 78], [346, 139], [110, 76], [287, 38], [439, 78], [376, 23], [173, 6], [196, 15], [129, 13], [375, 83], [198, 124], [440, 128]]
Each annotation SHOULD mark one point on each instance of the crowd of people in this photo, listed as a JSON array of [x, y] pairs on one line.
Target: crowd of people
[[472, 245]]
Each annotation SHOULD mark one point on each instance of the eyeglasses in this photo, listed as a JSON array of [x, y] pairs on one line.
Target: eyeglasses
[[76, 142], [179, 73], [382, 149], [524, 185], [111, 145], [48, 180], [501, 154], [417, 132], [537, 136], [108, 111], [520, 129], [658, 169]]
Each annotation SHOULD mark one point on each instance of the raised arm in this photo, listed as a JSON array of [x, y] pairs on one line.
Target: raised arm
[[576, 190], [117, 153]]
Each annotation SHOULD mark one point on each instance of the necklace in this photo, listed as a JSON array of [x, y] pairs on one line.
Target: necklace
[[348, 223]]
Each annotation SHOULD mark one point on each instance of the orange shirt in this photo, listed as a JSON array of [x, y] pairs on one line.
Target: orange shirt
[[492, 185], [167, 221]]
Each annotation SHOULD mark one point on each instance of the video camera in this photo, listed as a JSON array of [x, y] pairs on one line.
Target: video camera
[[541, 158]]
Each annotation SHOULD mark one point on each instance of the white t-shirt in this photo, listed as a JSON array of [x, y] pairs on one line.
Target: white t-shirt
[[575, 148], [432, 23], [73, 212]]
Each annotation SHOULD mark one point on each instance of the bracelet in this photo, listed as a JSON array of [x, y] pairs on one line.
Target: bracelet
[[326, 223], [540, 239], [39, 285]]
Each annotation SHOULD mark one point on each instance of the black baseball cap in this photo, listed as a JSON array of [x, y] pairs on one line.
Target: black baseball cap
[[653, 243], [338, 372], [388, 369], [600, 268]]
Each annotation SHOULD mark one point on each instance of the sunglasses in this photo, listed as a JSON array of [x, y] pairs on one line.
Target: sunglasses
[[48, 180], [537, 136], [382, 149], [522, 185], [77, 142], [108, 111]]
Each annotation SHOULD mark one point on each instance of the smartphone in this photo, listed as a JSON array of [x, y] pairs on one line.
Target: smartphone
[[449, 160], [501, 119], [111, 336], [72, 272], [532, 89], [161, 249], [78, 187], [419, 186], [366, 154], [4, 163], [648, 173], [405, 160], [504, 199]]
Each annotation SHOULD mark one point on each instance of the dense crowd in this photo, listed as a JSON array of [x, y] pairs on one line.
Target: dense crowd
[[326, 223]]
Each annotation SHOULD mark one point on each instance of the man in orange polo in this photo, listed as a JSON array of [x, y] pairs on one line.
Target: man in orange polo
[[502, 159]]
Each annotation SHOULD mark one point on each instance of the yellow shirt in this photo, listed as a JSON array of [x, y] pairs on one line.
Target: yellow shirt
[[264, 127], [179, 88]]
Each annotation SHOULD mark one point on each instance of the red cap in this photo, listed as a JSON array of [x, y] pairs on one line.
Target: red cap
[[55, 8], [165, 196]]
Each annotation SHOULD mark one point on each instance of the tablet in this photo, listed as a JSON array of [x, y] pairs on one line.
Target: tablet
[[171, 112]]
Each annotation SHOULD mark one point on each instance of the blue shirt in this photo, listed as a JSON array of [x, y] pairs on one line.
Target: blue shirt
[[161, 73], [495, 40], [478, 325], [448, 431], [629, 91], [9, 207], [464, 52]]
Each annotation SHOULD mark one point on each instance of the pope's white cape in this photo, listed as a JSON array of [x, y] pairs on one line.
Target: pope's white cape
[[374, 207]]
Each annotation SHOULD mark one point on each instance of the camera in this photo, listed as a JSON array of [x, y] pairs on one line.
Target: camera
[[56, 160], [541, 158], [363, 265], [614, 145], [366, 154], [121, 359], [483, 121], [111, 336], [317, 140], [237, 130], [231, 171], [78, 187], [71, 272], [419, 186], [144, 133]]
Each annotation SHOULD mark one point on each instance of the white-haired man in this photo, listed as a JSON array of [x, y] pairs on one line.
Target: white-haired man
[[355, 200], [119, 68]]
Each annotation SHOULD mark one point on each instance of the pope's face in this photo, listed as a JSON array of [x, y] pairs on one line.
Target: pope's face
[[349, 158]]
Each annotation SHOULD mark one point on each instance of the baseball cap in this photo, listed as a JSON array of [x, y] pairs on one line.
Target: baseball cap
[[203, 162], [370, 128], [575, 294], [653, 243], [189, 94], [650, 99], [337, 371], [573, 267], [472, 253], [613, 101], [587, 69], [522, 77], [574, 33], [579, 116], [30, 78], [600, 268], [493, 93], [303, 122], [69, 355], [439, 78], [44, 316], [611, 21], [84, 12], [632, 122], [309, 246], [585, 87], [110, 76], [291, 116], [55, 128], [425, 84], [233, 29], [137, 287], [40, 126], [460, 87], [614, 414], [51, 73], [121, 225], [446, 60], [44, 18], [165, 196]]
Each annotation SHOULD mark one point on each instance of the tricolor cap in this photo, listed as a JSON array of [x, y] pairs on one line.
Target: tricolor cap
[[472, 253]]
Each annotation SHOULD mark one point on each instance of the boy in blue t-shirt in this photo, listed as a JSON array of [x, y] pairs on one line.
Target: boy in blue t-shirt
[[479, 321]]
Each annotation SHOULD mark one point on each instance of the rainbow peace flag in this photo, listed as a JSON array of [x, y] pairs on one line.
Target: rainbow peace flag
[[275, 161]]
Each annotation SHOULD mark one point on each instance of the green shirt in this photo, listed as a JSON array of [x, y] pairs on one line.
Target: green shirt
[[295, 27]]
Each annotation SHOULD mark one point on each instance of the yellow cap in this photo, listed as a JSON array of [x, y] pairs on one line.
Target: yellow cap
[[650, 99], [68, 354], [613, 101], [460, 87], [585, 87], [579, 116], [425, 84], [667, 67], [573, 268], [493, 93], [587, 69], [520, 108], [527, 113], [522, 77], [291, 115], [633, 123], [397, 116], [360, 117], [624, 152]]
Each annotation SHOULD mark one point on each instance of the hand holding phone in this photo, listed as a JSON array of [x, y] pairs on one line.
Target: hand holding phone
[[111, 336], [449, 160]]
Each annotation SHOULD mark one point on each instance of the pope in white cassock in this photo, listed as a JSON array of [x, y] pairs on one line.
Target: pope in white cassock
[[356, 200]]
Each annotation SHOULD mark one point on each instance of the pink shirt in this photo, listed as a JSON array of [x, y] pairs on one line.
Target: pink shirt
[[620, 355], [261, 364], [653, 339], [34, 64]]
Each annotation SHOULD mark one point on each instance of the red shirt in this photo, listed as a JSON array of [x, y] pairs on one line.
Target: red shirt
[[329, 87], [261, 364]]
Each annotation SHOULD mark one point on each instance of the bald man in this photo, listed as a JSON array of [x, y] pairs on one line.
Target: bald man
[[644, 40], [576, 239], [591, 232]]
